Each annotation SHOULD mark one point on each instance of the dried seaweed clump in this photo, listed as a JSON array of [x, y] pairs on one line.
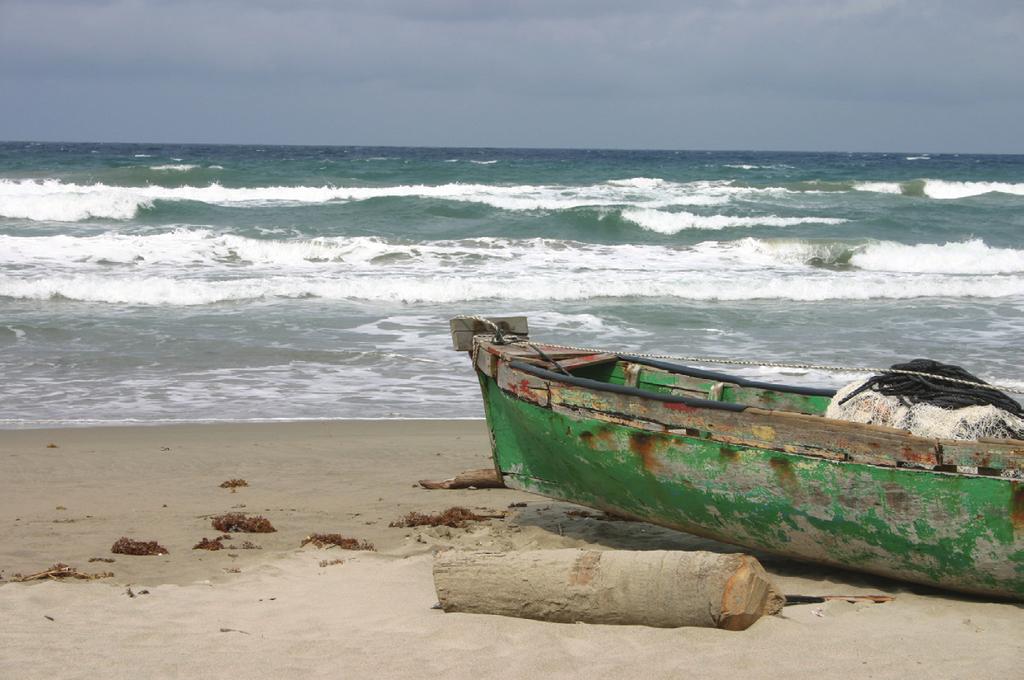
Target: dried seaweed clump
[[127, 546], [337, 541], [455, 517], [233, 483], [61, 570], [240, 522], [207, 544], [330, 563]]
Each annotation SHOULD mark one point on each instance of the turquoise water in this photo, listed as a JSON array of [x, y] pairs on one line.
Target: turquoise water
[[152, 283]]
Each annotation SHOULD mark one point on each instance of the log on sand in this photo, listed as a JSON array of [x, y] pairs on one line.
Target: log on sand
[[660, 588], [486, 478]]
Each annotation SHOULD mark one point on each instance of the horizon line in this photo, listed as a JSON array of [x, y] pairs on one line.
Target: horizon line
[[517, 148]]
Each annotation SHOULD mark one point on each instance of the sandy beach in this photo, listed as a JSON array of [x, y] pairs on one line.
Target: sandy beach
[[283, 611]]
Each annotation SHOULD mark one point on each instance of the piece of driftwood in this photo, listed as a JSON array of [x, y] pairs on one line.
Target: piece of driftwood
[[336, 541], [61, 570], [486, 478], [664, 589]]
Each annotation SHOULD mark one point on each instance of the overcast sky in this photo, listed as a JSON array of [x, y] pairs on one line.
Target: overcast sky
[[870, 75]]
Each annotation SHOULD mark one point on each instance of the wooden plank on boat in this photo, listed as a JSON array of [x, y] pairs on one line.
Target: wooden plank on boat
[[463, 329], [658, 380], [779, 430], [1007, 454], [586, 360], [523, 385]]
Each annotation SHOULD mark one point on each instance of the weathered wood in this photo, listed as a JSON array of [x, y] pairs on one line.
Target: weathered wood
[[780, 430], [1006, 454], [485, 478], [659, 588], [463, 329], [803, 486]]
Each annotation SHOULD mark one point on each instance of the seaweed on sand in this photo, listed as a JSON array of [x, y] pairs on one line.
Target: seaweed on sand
[[240, 522], [233, 484], [337, 541], [128, 546], [455, 517]]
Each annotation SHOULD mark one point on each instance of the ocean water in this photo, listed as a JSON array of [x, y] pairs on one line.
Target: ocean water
[[152, 283]]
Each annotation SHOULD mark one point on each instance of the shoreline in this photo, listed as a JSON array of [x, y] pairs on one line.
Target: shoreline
[[10, 426], [290, 611]]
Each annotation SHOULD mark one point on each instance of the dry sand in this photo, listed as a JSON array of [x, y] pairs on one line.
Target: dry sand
[[276, 613]]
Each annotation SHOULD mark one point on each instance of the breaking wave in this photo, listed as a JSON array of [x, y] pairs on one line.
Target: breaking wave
[[673, 222], [965, 257], [941, 189], [185, 246], [170, 290], [54, 200], [174, 167], [194, 266]]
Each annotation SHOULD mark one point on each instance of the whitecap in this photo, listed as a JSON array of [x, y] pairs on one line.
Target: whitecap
[[879, 187], [673, 222], [176, 167], [944, 189]]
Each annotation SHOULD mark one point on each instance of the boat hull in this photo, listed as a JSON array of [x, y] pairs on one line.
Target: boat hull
[[961, 532]]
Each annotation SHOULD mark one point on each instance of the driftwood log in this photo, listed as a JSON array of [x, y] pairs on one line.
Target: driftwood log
[[659, 588], [486, 478]]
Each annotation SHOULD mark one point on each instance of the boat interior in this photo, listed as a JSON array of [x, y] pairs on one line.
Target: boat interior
[[676, 380]]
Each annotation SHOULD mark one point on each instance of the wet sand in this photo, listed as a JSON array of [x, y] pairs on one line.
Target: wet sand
[[276, 612]]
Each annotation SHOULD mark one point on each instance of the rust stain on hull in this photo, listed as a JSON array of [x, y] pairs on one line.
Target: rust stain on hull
[[728, 454], [1017, 505], [784, 473], [643, 445]]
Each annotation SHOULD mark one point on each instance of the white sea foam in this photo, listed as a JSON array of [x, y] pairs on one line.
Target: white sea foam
[[183, 248], [483, 162], [143, 155], [198, 266], [673, 222], [53, 200], [918, 158], [57, 201], [967, 257], [451, 288], [215, 167], [174, 167], [943, 189], [879, 187]]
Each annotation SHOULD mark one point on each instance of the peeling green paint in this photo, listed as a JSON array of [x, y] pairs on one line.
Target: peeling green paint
[[955, 531]]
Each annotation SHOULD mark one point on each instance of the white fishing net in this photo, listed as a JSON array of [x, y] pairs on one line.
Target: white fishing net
[[923, 420]]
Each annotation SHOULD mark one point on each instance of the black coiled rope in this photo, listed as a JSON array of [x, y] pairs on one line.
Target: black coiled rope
[[917, 389]]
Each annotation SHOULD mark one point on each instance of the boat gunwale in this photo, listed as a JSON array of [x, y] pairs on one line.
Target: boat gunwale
[[934, 461], [600, 386], [729, 378]]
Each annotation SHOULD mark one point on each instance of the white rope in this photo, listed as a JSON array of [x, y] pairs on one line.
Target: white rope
[[746, 362], [778, 364]]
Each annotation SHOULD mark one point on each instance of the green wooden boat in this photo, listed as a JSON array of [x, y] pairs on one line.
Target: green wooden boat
[[749, 463]]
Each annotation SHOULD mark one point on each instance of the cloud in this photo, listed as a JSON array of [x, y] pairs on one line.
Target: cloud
[[590, 64]]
